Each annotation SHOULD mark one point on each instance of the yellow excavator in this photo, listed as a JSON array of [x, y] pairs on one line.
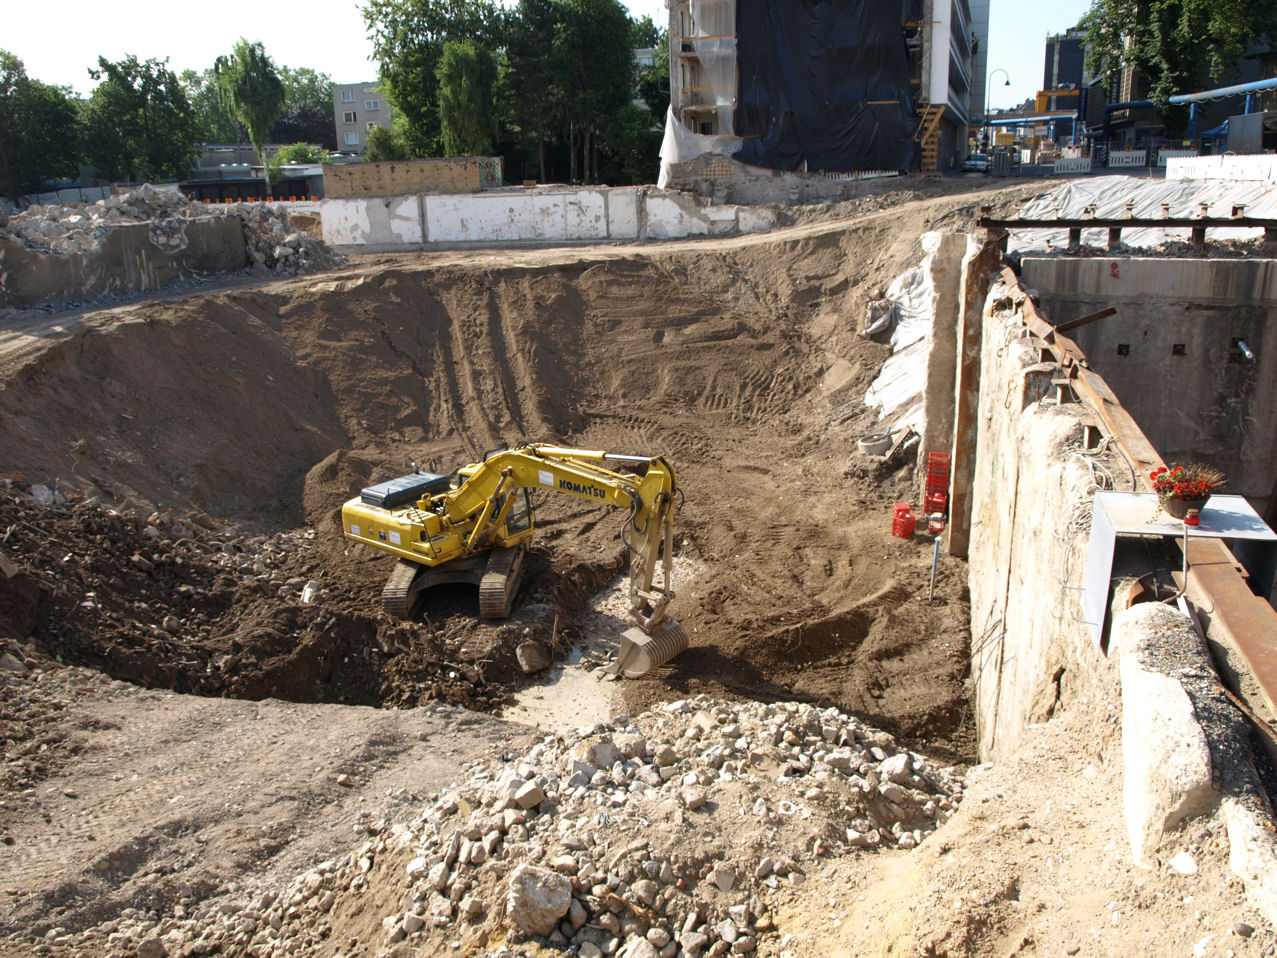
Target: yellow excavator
[[476, 528]]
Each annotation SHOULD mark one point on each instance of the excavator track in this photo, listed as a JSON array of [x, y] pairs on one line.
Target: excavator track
[[500, 582], [401, 590]]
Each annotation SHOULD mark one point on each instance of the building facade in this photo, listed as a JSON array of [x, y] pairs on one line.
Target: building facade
[[858, 86], [357, 108]]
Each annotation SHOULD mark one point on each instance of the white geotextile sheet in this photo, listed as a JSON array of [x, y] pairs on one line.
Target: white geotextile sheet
[[1110, 195], [903, 376], [681, 144]]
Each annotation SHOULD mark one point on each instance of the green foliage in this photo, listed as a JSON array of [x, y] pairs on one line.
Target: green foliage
[[296, 153], [595, 64], [565, 73], [385, 144], [302, 85], [645, 33], [653, 85], [632, 148], [530, 83], [305, 123], [217, 124], [466, 74], [139, 124], [250, 88], [408, 38], [39, 130], [1180, 46]]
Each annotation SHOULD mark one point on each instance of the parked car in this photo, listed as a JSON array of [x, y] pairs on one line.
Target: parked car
[[976, 163]]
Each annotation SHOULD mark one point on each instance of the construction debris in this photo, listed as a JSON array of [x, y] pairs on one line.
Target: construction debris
[[273, 242], [675, 832]]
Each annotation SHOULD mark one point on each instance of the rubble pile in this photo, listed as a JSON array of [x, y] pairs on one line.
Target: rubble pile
[[672, 834], [273, 242]]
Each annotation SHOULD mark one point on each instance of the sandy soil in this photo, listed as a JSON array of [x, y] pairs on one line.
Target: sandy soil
[[203, 446]]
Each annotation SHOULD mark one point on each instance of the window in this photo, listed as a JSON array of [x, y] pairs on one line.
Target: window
[[348, 116], [371, 105], [372, 124], [347, 96], [352, 139]]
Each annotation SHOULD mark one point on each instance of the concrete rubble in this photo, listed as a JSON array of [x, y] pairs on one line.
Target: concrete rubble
[[670, 834], [272, 241]]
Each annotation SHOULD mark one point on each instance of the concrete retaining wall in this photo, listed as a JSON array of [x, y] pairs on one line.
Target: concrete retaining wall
[[126, 261], [1185, 749], [1027, 487], [1177, 323], [536, 216]]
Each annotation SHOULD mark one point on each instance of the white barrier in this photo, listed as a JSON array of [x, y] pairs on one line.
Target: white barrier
[[1118, 158], [1164, 155], [1254, 167], [539, 216], [1076, 164]]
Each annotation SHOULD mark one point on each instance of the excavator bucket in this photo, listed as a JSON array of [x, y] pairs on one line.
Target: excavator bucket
[[639, 653]]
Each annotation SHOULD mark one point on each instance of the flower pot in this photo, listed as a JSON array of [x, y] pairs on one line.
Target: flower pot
[[1178, 508]]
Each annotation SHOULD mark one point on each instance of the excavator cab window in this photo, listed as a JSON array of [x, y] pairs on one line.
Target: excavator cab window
[[519, 518]]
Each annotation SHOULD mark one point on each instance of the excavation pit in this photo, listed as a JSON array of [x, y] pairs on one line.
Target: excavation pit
[[241, 421]]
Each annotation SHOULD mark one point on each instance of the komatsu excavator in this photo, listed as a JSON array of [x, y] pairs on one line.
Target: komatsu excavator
[[477, 527]]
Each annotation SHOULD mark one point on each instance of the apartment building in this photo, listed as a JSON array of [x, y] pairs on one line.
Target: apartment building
[[357, 108]]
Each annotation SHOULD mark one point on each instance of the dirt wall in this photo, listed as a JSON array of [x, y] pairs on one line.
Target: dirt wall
[[126, 261]]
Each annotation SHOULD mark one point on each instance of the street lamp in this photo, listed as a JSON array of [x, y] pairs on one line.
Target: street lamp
[[988, 98]]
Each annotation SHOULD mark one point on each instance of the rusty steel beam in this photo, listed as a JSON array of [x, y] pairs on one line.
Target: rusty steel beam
[[1086, 320]]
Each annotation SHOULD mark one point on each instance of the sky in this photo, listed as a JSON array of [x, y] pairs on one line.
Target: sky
[[330, 36]]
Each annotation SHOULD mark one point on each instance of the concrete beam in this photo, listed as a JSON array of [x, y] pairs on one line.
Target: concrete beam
[[1165, 755]]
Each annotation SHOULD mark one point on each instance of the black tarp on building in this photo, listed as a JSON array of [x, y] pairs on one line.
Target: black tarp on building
[[825, 82]]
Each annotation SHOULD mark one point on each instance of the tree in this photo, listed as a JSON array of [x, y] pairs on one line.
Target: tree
[[632, 147], [466, 75], [529, 80], [250, 88], [645, 33], [138, 123], [39, 130], [385, 144], [595, 63], [306, 123], [1180, 46], [296, 153], [308, 108], [653, 85], [303, 85], [408, 38], [217, 124]]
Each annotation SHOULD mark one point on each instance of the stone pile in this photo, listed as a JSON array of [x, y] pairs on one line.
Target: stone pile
[[670, 835], [272, 240], [274, 244]]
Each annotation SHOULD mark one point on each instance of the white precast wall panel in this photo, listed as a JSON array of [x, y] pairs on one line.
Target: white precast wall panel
[[383, 221]]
